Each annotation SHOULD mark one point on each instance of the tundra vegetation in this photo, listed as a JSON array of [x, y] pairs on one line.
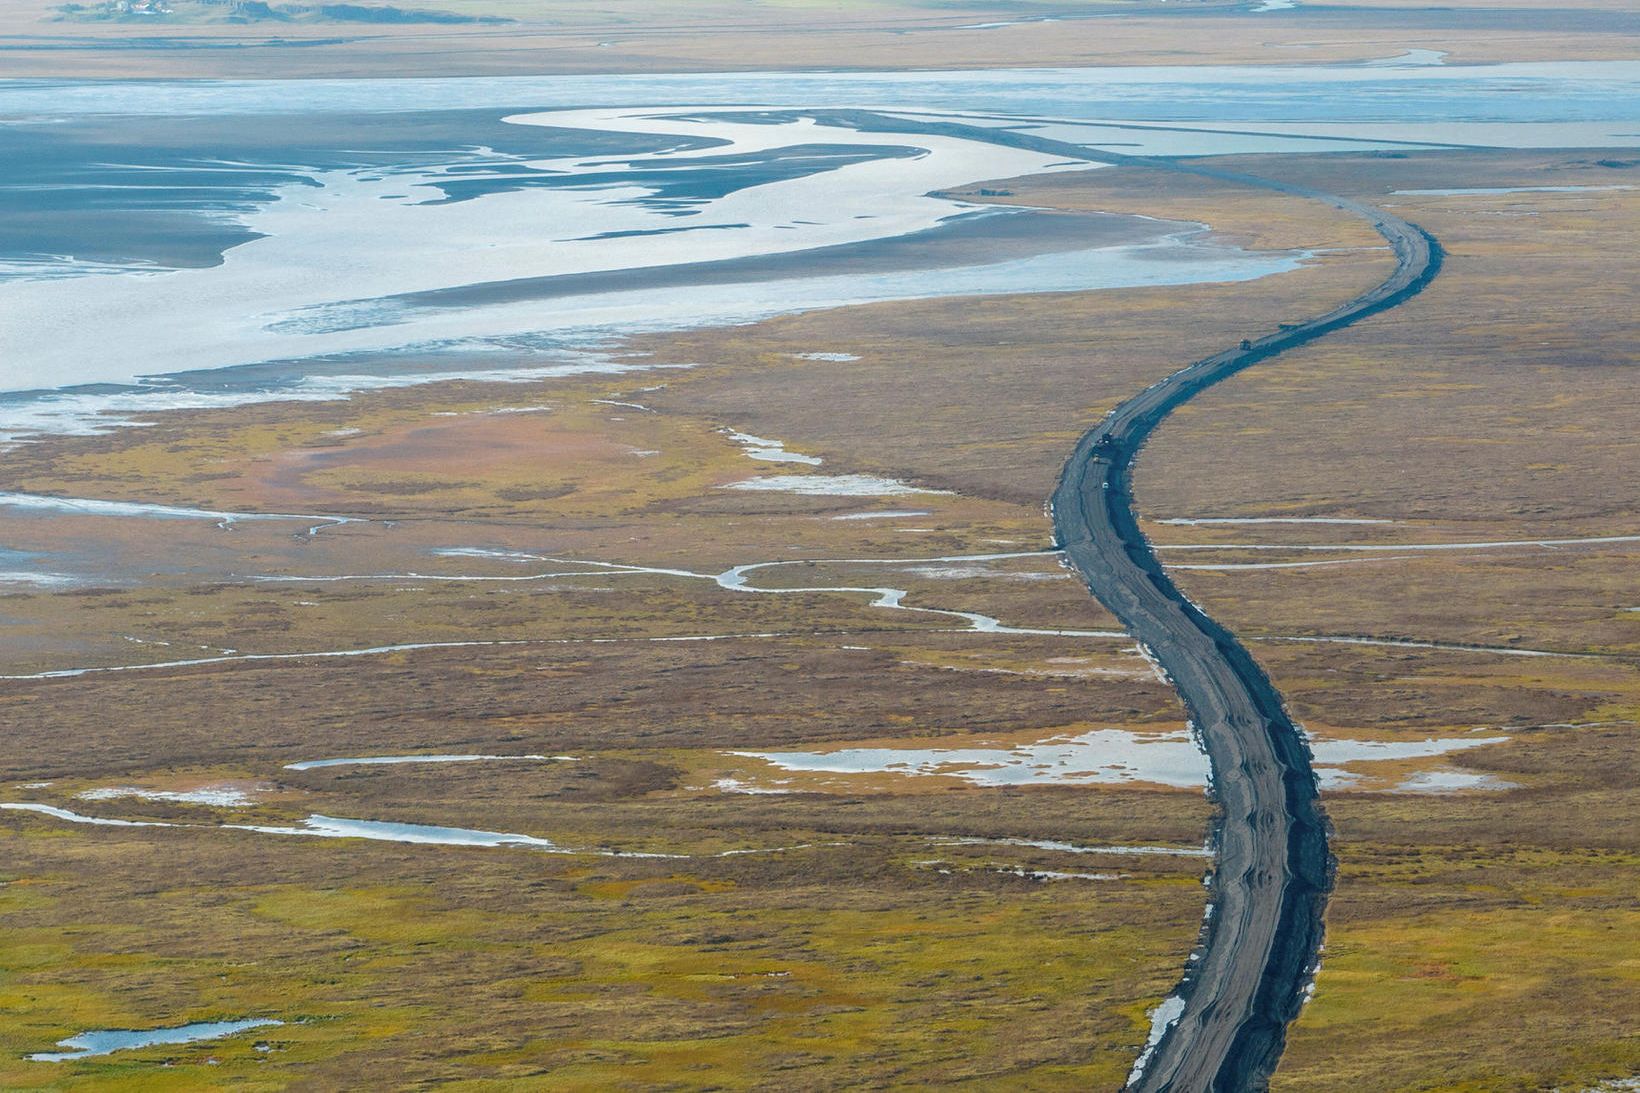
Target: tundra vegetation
[[556, 552], [708, 917]]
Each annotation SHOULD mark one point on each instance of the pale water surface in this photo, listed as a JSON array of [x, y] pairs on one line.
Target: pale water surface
[[108, 1041], [340, 269]]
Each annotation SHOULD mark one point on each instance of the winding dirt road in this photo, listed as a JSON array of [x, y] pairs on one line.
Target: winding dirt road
[[1273, 872], [1269, 890]]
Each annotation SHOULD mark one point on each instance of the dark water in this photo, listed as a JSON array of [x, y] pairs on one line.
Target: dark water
[[165, 192]]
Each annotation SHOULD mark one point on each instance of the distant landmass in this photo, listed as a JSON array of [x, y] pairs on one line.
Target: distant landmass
[[259, 11]]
